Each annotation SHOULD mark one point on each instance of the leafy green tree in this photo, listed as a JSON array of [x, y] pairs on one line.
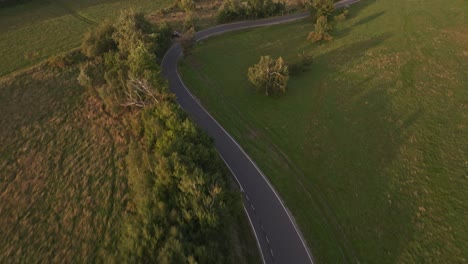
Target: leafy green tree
[[131, 28], [98, 41], [321, 32], [322, 7], [187, 41], [269, 75]]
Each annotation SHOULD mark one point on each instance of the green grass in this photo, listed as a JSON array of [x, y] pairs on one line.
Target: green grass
[[32, 32], [368, 147]]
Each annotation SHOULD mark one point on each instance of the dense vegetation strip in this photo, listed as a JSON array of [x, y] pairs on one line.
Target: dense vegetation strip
[[180, 200]]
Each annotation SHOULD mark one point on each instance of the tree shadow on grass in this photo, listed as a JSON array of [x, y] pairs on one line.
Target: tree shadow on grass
[[359, 137], [369, 18], [354, 10]]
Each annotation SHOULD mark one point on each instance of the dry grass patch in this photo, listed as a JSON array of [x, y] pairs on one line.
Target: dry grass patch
[[63, 187]]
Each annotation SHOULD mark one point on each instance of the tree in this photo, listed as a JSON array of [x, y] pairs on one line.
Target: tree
[[187, 41], [98, 41], [322, 7], [269, 75], [321, 32]]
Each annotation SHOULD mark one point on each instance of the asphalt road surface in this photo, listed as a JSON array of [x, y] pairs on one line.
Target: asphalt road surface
[[277, 234]]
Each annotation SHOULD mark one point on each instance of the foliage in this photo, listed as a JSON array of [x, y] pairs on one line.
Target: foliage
[[321, 32], [187, 5], [99, 40], [232, 10], [65, 60], [187, 41], [269, 75], [179, 196], [131, 28], [321, 7], [229, 11]]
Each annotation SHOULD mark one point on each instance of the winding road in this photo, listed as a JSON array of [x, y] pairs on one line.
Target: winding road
[[276, 232]]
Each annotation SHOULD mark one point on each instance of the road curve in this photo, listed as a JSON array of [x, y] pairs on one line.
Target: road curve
[[276, 232]]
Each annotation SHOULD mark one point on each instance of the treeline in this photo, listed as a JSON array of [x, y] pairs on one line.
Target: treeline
[[232, 10], [180, 200]]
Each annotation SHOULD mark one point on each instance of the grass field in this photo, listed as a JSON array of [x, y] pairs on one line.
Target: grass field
[[63, 184], [32, 32], [369, 146], [61, 190]]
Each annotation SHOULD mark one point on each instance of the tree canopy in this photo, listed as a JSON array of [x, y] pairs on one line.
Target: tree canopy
[[269, 76]]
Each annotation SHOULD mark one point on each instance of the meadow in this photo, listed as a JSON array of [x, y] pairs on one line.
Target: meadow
[[61, 188], [368, 146]]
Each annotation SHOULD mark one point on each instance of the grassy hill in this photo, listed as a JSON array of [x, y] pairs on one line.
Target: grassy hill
[[368, 147], [33, 31]]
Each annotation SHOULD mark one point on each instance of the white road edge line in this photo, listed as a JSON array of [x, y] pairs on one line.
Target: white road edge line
[[255, 233], [247, 213]]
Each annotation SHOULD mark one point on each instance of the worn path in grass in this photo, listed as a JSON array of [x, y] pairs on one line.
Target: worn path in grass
[[279, 238]]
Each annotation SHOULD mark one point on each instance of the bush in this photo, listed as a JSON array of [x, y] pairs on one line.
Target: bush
[[187, 41], [59, 61], [269, 75], [98, 41], [132, 27], [231, 10], [321, 32], [321, 7], [228, 12]]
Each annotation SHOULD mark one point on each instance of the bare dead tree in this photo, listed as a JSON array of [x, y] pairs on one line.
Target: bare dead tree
[[140, 93]]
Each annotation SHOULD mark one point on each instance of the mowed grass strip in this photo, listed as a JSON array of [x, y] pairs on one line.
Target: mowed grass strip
[[36, 30], [368, 148]]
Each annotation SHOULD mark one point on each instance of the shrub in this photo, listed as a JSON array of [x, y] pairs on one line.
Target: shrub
[[98, 41], [187, 41], [321, 7], [59, 61], [269, 75], [321, 32], [130, 28], [228, 12], [231, 10], [162, 40]]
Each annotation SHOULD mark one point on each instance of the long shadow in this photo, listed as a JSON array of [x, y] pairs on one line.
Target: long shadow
[[354, 10], [361, 154]]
